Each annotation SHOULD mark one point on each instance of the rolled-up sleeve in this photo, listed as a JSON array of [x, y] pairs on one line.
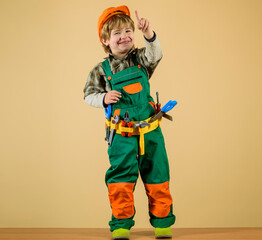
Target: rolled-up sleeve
[[96, 87], [150, 55], [153, 50]]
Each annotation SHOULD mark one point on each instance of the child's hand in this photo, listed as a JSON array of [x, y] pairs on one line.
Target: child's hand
[[112, 97], [144, 25]]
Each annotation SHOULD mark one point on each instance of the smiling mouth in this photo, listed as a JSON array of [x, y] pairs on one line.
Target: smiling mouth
[[125, 42]]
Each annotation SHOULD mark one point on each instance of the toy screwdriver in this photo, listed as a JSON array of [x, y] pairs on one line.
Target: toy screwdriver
[[158, 105]]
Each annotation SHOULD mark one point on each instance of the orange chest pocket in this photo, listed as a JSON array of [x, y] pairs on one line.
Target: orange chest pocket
[[133, 88]]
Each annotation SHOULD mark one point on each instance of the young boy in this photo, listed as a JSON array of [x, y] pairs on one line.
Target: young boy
[[135, 145]]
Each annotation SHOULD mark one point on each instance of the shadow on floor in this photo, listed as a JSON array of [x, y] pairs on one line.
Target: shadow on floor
[[188, 232]]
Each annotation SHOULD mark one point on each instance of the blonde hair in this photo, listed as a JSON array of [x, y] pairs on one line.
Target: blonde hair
[[116, 21]]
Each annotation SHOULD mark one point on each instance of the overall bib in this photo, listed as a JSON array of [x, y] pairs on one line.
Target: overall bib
[[126, 160]]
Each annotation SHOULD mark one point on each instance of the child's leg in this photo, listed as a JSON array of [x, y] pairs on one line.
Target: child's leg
[[154, 169], [121, 178]]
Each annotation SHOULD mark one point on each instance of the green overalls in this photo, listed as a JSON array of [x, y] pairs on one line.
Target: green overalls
[[124, 157]]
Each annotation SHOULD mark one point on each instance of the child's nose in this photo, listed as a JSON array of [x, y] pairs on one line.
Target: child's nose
[[123, 35]]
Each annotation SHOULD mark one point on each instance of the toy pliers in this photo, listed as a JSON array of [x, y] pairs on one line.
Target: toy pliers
[[126, 123]]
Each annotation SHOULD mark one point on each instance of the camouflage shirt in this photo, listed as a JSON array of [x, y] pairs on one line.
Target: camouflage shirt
[[96, 86]]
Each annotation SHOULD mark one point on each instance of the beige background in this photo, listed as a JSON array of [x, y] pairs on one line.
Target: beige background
[[53, 154]]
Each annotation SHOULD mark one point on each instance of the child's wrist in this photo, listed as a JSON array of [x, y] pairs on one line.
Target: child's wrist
[[151, 37], [104, 104]]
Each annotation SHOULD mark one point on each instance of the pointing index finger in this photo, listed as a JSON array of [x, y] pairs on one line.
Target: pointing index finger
[[138, 18]]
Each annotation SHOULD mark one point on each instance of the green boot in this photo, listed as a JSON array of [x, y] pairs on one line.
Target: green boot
[[163, 233], [121, 233]]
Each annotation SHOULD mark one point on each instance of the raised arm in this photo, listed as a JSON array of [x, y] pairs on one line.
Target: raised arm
[[144, 25]]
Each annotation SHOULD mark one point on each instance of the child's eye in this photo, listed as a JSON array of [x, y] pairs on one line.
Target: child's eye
[[115, 33]]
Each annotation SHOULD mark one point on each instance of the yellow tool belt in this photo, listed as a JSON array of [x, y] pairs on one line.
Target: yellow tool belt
[[136, 131]]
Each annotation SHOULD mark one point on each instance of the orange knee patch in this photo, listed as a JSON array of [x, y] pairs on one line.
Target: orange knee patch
[[159, 198], [121, 199]]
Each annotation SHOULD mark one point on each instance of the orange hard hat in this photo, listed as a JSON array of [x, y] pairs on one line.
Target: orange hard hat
[[109, 12]]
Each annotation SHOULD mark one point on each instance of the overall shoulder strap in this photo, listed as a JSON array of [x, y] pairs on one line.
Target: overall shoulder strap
[[135, 61], [107, 68]]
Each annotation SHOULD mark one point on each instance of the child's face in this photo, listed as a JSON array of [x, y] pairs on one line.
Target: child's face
[[121, 41]]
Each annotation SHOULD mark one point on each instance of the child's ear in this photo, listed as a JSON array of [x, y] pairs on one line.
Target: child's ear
[[105, 42]]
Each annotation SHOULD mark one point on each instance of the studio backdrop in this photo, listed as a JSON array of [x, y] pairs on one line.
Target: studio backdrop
[[53, 156]]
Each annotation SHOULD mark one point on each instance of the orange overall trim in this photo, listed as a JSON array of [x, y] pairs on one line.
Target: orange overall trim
[[133, 88], [121, 199], [153, 105], [160, 199], [117, 112]]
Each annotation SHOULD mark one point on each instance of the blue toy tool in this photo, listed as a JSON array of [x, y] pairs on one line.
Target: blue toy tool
[[108, 111], [169, 106]]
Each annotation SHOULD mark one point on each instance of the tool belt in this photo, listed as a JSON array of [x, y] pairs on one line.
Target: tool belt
[[135, 130]]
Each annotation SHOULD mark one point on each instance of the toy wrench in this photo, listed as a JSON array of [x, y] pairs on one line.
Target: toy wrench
[[114, 121], [163, 111]]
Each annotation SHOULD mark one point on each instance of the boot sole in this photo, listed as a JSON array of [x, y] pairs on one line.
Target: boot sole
[[121, 238], [164, 237]]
